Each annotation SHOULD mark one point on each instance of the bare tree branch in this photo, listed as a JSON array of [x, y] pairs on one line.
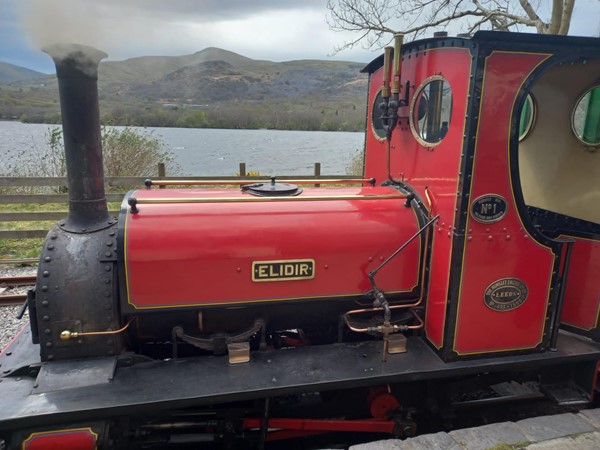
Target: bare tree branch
[[556, 17], [566, 17], [376, 21]]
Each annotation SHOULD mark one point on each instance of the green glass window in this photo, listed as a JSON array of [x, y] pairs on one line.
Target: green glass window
[[527, 117], [586, 117]]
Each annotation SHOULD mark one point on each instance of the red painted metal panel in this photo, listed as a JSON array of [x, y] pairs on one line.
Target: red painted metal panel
[[500, 250], [581, 306], [207, 250], [77, 439], [435, 168], [309, 425]]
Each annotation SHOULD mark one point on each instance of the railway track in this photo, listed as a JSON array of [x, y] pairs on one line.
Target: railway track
[[8, 285]]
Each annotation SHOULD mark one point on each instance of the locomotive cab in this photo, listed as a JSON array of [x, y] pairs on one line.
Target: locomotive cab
[[490, 137]]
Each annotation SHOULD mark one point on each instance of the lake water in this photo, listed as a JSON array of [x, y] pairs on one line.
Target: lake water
[[205, 152]]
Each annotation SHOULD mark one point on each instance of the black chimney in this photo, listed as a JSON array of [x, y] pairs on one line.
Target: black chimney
[[77, 72]]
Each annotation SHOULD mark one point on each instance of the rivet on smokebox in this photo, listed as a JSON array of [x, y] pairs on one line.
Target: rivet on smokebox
[[45, 303], [109, 243], [112, 233], [45, 288], [107, 293], [51, 247], [107, 253], [45, 273], [48, 344], [46, 318], [107, 268], [53, 236], [47, 259], [238, 270]]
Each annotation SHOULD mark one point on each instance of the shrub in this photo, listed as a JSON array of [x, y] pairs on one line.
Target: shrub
[[356, 166], [126, 152], [129, 152]]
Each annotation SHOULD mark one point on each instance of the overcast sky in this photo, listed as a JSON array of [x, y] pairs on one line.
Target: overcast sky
[[276, 30]]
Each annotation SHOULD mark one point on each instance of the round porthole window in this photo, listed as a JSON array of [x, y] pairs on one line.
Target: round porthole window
[[431, 111], [376, 124], [585, 120], [527, 117]]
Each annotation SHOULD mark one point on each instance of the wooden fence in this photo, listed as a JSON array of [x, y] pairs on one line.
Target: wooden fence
[[111, 183]]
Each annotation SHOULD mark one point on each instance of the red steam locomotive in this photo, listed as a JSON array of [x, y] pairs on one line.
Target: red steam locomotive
[[465, 260]]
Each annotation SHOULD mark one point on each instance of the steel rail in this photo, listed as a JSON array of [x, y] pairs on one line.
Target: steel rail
[[12, 299], [15, 299], [21, 280]]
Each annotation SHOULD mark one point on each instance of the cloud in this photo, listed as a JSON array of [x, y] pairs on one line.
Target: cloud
[[264, 29], [104, 22]]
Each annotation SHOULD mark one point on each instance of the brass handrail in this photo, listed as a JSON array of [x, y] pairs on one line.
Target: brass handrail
[[150, 183], [133, 201]]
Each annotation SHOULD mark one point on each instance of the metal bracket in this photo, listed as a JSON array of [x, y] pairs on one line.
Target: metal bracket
[[396, 343], [239, 352]]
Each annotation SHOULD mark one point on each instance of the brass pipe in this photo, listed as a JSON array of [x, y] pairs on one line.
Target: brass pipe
[[387, 57], [249, 199], [247, 182], [66, 334], [396, 69]]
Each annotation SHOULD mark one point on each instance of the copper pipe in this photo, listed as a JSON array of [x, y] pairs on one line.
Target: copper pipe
[[401, 306], [247, 182], [66, 335], [418, 326], [428, 197]]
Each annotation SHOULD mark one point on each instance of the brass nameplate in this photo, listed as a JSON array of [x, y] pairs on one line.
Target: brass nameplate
[[284, 270]]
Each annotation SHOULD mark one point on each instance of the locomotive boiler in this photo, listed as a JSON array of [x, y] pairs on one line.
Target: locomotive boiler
[[463, 259]]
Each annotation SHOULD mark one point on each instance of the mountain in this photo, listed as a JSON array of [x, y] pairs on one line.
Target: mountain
[[216, 75], [153, 68], [10, 73], [216, 83]]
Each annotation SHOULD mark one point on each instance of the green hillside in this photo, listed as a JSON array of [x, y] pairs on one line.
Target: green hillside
[[210, 88], [10, 73]]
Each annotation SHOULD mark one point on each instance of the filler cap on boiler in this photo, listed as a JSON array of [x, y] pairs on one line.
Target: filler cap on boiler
[[272, 189]]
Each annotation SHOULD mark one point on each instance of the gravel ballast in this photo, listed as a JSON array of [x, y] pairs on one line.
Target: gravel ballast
[[9, 324]]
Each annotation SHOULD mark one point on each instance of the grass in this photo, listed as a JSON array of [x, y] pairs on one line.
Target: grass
[[30, 248], [517, 446]]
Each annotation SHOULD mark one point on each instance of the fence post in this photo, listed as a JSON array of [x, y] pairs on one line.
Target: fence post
[[317, 172], [242, 169], [162, 173]]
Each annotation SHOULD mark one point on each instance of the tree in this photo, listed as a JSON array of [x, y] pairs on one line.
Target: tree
[[376, 21]]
